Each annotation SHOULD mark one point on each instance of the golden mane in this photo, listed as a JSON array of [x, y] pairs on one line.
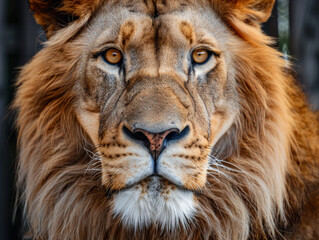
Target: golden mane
[[276, 150]]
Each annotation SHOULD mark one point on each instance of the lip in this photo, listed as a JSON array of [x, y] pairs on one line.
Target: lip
[[146, 179], [151, 178]]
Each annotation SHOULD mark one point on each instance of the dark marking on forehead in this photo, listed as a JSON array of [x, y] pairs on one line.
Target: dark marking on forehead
[[157, 39], [127, 31], [187, 30], [169, 6], [139, 6], [156, 8]]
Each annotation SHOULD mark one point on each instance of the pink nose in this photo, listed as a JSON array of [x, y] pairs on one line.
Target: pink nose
[[157, 141]]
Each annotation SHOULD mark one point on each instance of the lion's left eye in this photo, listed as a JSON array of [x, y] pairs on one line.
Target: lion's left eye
[[112, 56], [201, 55]]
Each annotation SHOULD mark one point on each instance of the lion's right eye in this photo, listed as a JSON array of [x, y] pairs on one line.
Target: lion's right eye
[[200, 56], [112, 56]]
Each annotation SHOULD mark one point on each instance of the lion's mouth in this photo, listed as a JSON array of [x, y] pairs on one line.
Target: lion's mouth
[[156, 184]]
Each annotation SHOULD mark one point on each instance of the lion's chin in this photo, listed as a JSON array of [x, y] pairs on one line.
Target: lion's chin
[[154, 201]]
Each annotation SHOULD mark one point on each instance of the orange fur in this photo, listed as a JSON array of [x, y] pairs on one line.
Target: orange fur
[[273, 142]]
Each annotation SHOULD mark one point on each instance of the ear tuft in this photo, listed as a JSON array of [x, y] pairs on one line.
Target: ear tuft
[[53, 15], [249, 11], [262, 9]]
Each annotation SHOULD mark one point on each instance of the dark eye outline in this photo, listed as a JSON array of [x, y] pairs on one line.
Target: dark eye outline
[[103, 55], [209, 55]]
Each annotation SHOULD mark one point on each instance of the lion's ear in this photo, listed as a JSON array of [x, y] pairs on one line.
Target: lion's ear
[[256, 10], [53, 15], [250, 11]]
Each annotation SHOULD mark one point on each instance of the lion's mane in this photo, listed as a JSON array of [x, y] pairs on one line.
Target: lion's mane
[[62, 200]]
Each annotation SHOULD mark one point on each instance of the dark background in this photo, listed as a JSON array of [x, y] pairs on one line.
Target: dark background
[[294, 24]]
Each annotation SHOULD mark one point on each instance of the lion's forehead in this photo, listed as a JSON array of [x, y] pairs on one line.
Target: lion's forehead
[[139, 25], [156, 8]]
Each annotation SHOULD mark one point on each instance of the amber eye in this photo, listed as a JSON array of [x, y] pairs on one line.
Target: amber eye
[[112, 56], [200, 55]]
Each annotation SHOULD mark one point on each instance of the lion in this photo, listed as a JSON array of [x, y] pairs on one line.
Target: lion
[[161, 119]]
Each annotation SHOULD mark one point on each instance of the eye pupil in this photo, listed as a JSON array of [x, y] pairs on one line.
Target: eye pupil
[[200, 55], [113, 56]]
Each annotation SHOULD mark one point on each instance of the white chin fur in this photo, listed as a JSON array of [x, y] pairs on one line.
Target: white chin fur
[[168, 208]]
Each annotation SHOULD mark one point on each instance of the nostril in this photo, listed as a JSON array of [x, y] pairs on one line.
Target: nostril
[[172, 135], [176, 135], [137, 135]]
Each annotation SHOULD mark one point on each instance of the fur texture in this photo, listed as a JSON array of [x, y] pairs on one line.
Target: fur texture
[[247, 167]]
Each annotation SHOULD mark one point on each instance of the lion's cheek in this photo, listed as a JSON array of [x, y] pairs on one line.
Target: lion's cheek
[[121, 170], [184, 170], [219, 124], [90, 123], [196, 179]]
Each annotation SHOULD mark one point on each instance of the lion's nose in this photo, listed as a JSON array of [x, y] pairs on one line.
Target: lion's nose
[[156, 142]]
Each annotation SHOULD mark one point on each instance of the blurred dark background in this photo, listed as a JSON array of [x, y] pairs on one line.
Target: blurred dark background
[[294, 24]]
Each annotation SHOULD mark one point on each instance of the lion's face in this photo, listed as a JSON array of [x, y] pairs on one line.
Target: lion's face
[[157, 94], [154, 120]]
